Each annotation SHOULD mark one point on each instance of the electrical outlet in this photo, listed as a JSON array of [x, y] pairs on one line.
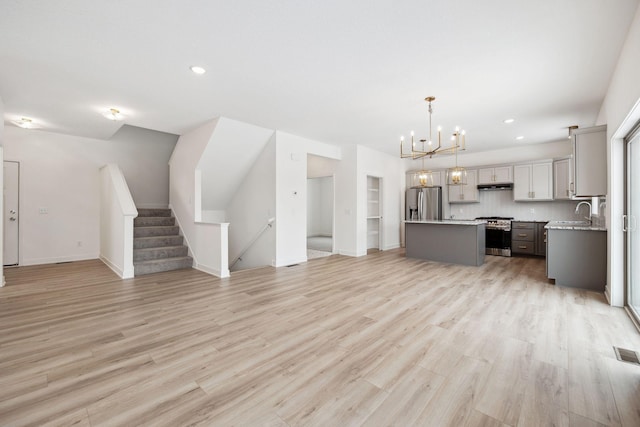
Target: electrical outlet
[[43, 211], [532, 210]]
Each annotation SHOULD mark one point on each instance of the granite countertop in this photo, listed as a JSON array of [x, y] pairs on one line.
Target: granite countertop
[[574, 225], [449, 222]]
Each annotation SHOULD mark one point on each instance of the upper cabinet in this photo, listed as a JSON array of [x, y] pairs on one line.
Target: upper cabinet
[[590, 161], [465, 193], [562, 179], [495, 175], [429, 179], [533, 182]]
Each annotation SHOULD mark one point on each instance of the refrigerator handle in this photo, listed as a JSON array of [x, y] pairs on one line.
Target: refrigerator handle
[[420, 208]]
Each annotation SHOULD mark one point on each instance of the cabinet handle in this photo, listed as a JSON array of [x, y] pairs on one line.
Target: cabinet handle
[[567, 192], [522, 235], [571, 187], [522, 247]]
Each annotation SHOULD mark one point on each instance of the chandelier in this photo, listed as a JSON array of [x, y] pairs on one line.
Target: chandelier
[[425, 147]]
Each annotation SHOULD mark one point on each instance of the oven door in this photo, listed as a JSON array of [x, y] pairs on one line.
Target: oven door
[[498, 242]]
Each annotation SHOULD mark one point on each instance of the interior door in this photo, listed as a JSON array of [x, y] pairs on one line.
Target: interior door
[[632, 255], [11, 212]]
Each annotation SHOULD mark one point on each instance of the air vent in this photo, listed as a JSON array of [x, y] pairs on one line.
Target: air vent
[[625, 355]]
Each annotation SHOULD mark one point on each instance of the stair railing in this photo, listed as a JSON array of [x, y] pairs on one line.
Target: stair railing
[[268, 225]]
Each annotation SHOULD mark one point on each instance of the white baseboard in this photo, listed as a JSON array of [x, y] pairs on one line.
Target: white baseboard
[[352, 254], [54, 260], [389, 247], [121, 273], [607, 294], [290, 261], [213, 271]]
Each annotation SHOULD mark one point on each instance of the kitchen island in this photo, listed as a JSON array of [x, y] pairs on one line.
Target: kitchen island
[[455, 242]]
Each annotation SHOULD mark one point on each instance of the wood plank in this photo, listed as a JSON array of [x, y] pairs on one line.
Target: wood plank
[[374, 340]]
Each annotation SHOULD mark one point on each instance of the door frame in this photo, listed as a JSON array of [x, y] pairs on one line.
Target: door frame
[[633, 134], [4, 205]]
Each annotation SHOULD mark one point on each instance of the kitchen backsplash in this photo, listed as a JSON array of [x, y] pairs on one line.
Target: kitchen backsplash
[[500, 203]]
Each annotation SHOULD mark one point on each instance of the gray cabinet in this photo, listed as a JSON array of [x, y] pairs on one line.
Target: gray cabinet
[[523, 238], [590, 161], [528, 238], [541, 239], [577, 258]]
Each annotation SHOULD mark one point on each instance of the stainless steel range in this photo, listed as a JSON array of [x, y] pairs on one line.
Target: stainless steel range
[[498, 235]]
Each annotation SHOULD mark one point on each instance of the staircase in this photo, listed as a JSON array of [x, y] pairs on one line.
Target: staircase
[[156, 244]]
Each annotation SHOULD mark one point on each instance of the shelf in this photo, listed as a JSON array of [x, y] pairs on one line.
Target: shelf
[[373, 201], [374, 217], [373, 189]]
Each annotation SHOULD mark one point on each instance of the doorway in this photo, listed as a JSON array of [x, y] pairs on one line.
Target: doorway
[[11, 203], [320, 217], [630, 223], [374, 213]]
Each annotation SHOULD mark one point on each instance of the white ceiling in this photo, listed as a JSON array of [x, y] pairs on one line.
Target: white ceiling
[[336, 71]]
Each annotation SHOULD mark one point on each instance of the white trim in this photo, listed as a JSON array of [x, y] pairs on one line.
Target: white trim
[[389, 247], [291, 261], [213, 271], [352, 254], [54, 260], [184, 237], [112, 266]]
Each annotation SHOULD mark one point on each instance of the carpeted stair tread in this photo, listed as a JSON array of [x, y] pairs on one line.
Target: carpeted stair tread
[[159, 265], [148, 212], [158, 230], [156, 241], [152, 221], [145, 254]]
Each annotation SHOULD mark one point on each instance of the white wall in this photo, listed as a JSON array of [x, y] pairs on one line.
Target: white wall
[[117, 212], [60, 173], [227, 158], [250, 210], [291, 194], [389, 169], [346, 199], [320, 166], [207, 242], [2, 282], [620, 111], [320, 206]]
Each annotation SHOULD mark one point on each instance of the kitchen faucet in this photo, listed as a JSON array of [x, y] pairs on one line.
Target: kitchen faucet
[[584, 203]]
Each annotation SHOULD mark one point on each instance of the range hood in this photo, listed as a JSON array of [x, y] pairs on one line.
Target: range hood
[[488, 187]]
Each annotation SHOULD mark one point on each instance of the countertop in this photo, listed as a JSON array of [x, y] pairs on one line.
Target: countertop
[[449, 222], [573, 225]]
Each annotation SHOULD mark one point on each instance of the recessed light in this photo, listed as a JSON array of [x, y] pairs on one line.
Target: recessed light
[[24, 122], [198, 70], [113, 114], [519, 138], [507, 121]]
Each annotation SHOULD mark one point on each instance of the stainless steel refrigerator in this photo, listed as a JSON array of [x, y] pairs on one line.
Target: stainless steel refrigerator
[[423, 203]]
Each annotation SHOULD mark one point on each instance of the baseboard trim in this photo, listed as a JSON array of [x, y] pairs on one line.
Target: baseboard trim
[[291, 261], [607, 294], [121, 273], [213, 271], [390, 247], [352, 254], [54, 260]]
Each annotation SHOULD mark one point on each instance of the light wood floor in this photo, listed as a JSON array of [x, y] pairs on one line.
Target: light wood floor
[[377, 340]]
